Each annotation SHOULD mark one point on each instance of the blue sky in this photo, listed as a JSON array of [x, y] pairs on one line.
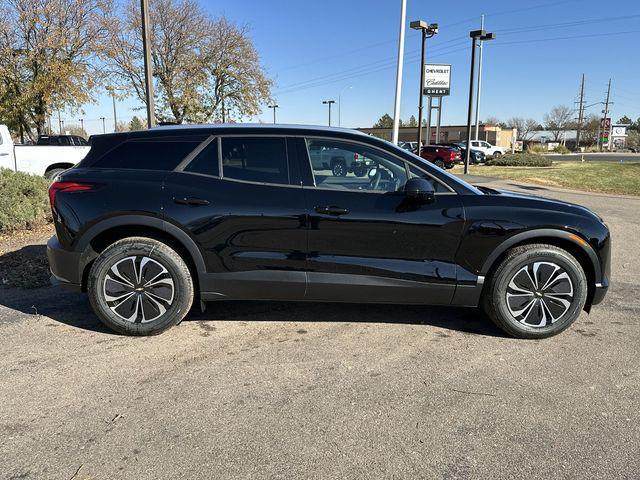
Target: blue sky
[[315, 50]]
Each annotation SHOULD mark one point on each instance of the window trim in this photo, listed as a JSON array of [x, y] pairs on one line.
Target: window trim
[[193, 154], [373, 147]]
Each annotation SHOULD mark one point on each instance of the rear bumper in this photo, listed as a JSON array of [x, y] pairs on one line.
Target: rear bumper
[[64, 265]]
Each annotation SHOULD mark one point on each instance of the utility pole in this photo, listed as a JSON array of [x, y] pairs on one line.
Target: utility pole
[[396, 107], [82, 124], [329, 102], [104, 129], [274, 106], [59, 123], [606, 113], [479, 88], [580, 114], [148, 74]]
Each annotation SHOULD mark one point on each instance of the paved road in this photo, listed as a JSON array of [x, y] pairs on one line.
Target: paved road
[[602, 157], [275, 390]]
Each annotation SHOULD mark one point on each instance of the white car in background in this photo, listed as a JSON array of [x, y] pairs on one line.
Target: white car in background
[[45, 160], [486, 148]]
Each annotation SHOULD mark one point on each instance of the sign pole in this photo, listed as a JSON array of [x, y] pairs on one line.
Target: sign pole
[[438, 119], [429, 109]]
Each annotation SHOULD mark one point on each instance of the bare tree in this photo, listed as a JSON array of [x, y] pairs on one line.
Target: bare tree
[[49, 58], [199, 64], [558, 121], [526, 127]]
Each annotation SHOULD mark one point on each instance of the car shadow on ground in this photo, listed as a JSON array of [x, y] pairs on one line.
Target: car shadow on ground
[[73, 309]]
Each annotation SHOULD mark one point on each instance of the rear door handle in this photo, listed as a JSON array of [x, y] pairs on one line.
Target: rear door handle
[[191, 201], [332, 210]]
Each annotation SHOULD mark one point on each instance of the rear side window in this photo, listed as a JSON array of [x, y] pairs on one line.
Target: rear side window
[[149, 153], [205, 162], [255, 159]]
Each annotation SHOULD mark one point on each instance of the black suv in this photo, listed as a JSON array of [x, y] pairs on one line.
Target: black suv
[[151, 220]]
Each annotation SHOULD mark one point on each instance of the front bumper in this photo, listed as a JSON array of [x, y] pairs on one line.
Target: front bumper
[[600, 291], [64, 265]]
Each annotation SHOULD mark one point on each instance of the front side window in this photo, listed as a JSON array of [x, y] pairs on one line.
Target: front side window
[[338, 165], [486, 145], [255, 159], [206, 161]]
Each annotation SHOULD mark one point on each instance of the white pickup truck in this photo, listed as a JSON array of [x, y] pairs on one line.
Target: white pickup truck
[[42, 160]]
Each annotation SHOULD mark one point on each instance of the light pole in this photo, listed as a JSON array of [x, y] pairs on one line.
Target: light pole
[[104, 129], [475, 36], [427, 31], [396, 105], [274, 106], [82, 124], [340, 104], [477, 122], [329, 102]]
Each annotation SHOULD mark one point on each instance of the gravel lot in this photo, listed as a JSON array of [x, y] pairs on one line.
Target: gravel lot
[[297, 390]]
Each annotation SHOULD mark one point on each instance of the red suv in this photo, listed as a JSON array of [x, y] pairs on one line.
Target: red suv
[[443, 157]]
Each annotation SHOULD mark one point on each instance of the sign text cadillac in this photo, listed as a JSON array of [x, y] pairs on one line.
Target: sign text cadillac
[[437, 80]]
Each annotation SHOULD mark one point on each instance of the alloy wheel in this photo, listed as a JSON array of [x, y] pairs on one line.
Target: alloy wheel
[[539, 294], [138, 289]]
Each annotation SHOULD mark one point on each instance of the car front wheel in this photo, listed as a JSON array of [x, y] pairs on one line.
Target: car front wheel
[[537, 291], [140, 286], [339, 168], [497, 153], [439, 163]]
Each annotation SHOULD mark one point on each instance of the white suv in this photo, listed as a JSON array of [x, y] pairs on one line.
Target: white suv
[[486, 148]]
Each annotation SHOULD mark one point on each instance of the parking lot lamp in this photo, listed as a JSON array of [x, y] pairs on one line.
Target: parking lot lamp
[[475, 36], [427, 31], [329, 102], [274, 106]]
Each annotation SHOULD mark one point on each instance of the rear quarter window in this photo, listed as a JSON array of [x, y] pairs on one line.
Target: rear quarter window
[[146, 153]]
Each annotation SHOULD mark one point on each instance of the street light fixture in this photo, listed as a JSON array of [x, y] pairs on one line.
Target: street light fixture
[[475, 36], [428, 31], [274, 106], [329, 102]]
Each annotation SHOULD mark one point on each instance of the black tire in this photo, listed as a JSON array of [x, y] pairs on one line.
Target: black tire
[[439, 163], [518, 265], [360, 170], [339, 167], [497, 154], [51, 174], [174, 295]]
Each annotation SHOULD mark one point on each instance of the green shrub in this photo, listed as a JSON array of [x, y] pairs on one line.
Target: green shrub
[[561, 149], [520, 160], [23, 200]]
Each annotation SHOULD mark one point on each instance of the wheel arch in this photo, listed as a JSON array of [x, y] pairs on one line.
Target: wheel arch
[[572, 243], [103, 234]]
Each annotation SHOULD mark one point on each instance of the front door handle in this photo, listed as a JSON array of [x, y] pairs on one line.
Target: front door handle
[[4, 154], [191, 201], [332, 210]]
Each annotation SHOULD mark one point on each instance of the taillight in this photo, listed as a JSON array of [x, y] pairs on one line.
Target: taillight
[[355, 156], [67, 187]]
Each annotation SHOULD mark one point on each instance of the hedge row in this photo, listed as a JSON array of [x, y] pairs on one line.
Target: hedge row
[[520, 160], [24, 201]]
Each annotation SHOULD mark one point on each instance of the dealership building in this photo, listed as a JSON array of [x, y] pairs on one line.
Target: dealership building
[[449, 133]]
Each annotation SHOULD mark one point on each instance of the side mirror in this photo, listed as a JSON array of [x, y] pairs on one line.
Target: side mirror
[[420, 189]]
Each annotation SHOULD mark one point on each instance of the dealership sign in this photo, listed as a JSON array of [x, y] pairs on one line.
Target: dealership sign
[[437, 80]]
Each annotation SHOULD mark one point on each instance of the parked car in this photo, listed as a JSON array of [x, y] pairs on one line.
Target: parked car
[[339, 161], [477, 156], [151, 220], [486, 148], [62, 140], [38, 159], [441, 156], [411, 146]]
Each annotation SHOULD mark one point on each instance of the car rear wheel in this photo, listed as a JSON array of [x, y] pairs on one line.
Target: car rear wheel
[[497, 153], [53, 173], [360, 170], [537, 291], [140, 286]]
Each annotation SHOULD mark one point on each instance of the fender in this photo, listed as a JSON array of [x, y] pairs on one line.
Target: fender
[[539, 233], [180, 235]]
